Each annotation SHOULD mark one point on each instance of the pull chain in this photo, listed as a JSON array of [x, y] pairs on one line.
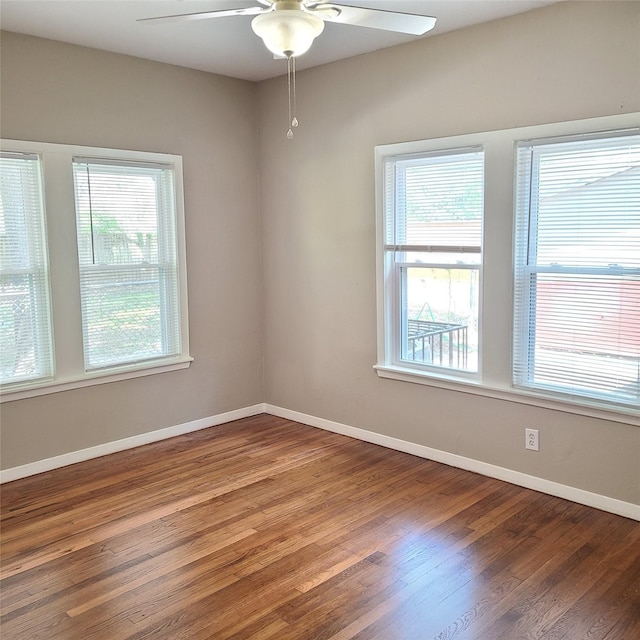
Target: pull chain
[[291, 84], [294, 120]]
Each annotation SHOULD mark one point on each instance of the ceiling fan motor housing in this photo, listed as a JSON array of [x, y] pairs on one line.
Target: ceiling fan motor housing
[[288, 30]]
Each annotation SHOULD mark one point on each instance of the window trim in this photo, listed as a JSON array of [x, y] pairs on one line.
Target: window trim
[[91, 379], [495, 368], [520, 396], [65, 281]]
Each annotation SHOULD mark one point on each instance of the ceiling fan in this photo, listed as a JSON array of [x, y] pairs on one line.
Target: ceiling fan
[[289, 27]]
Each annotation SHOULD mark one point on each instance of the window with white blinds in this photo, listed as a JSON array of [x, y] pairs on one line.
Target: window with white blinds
[[113, 305], [508, 264], [577, 267], [25, 317], [125, 215], [433, 210]]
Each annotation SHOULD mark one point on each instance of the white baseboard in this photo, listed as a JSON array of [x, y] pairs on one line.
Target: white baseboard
[[40, 466], [605, 503]]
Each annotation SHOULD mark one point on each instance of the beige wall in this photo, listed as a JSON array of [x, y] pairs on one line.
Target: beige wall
[[565, 62], [54, 92]]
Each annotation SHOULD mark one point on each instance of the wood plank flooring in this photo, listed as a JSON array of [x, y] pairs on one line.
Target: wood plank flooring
[[267, 529]]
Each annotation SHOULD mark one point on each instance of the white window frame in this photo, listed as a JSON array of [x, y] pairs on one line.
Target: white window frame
[[60, 214], [527, 268], [497, 298], [395, 265], [35, 237]]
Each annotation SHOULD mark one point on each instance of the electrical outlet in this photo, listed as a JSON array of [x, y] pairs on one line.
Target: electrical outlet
[[532, 439]]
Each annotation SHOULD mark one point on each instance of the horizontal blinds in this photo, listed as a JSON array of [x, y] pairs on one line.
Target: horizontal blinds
[[577, 322], [438, 201], [127, 252], [26, 352]]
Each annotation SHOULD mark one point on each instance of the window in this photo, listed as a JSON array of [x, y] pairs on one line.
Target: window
[[577, 277], [118, 294], [508, 264], [433, 207], [25, 338], [125, 216]]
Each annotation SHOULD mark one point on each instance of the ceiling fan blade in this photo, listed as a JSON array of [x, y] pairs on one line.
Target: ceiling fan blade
[[410, 23], [205, 15]]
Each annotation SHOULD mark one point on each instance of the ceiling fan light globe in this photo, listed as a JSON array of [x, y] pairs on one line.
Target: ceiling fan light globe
[[287, 33]]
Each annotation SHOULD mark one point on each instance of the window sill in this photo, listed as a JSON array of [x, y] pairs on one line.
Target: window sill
[[91, 379], [579, 407]]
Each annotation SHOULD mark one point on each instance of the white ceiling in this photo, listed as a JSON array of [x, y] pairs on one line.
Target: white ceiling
[[227, 45]]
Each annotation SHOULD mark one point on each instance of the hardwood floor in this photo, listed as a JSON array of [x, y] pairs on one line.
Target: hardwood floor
[[264, 528]]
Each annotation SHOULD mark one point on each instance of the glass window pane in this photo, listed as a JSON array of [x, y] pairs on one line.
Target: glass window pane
[[589, 205], [122, 317], [20, 319], [440, 317], [586, 334], [440, 199], [118, 214]]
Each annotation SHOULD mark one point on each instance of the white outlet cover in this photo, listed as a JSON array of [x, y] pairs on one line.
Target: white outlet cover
[[532, 439]]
